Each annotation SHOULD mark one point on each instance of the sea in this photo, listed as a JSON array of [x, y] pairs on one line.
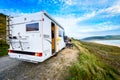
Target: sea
[[107, 42]]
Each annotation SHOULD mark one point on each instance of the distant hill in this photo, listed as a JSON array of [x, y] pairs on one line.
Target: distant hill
[[2, 25], [107, 37]]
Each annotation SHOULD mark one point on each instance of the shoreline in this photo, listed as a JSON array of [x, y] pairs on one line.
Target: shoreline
[[105, 43]]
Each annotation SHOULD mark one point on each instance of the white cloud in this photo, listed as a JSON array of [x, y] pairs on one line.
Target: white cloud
[[114, 9], [103, 1], [110, 10], [87, 16], [70, 23], [98, 29], [71, 20], [73, 29], [69, 2], [106, 26], [11, 12]]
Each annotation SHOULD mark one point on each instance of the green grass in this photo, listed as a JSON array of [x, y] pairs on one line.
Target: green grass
[[3, 48], [91, 66], [108, 54]]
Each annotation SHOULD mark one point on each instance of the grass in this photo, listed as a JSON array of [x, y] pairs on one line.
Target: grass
[[90, 64], [3, 48], [108, 54]]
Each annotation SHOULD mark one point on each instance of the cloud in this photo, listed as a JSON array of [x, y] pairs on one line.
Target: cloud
[[70, 13], [11, 12], [73, 29], [105, 26], [69, 2], [98, 29], [70, 23], [87, 16], [114, 9], [110, 10], [71, 20]]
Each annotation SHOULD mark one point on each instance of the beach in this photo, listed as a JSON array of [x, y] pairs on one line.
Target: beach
[[107, 42]]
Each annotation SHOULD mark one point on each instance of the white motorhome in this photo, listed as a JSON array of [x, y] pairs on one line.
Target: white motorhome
[[34, 37]]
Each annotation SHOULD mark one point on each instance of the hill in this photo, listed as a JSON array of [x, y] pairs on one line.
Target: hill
[[107, 37], [95, 62], [3, 45], [2, 25]]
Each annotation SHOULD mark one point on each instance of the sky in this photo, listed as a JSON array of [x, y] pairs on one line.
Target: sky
[[80, 18]]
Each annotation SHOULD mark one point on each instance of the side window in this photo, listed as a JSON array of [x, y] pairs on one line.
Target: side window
[[64, 36], [60, 33], [32, 27]]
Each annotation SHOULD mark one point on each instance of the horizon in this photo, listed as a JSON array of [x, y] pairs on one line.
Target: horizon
[[79, 18]]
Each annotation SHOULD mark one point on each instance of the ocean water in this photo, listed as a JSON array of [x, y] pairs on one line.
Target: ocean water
[[107, 42]]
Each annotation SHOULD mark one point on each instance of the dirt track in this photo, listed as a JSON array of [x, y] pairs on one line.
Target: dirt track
[[54, 68]]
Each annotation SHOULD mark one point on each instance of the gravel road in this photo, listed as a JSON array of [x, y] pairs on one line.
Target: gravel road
[[55, 68], [6, 63]]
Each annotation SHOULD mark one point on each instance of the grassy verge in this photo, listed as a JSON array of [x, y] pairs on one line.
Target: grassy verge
[[3, 48], [91, 66], [108, 54]]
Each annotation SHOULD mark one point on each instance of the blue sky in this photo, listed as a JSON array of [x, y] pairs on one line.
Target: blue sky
[[80, 18]]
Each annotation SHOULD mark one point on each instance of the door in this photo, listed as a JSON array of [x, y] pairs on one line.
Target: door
[[53, 36]]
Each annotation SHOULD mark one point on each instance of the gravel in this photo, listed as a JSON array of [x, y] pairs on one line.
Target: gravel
[[55, 68]]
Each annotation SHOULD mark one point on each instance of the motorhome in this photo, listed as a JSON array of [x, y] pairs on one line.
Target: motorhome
[[34, 37]]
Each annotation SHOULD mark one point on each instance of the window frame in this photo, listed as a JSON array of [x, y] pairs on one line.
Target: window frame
[[34, 30]]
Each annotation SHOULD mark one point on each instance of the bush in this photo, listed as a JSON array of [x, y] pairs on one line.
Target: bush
[[3, 48]]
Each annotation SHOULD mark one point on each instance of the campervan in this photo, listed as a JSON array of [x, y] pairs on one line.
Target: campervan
[[34, 37]]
